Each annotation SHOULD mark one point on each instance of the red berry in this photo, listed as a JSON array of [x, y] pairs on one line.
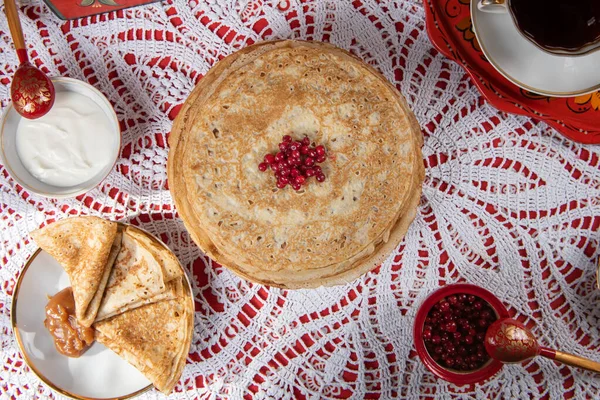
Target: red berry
[[320, 150], [300, 179], [284, 179], [293, 146], [478, 305], [313, 153], [283, 146], [444, 306], [439, 350], [281, 184], [318, 170], [306, 141], [321, 159], [304, 149], [296, 186], [471, 298], [436, 339], [468, 339], [309, 161], [427, 334], [321, 178], [287, 138], [263, 166], [451, 327], [284, 170], [457, 335], [279, 157], [295, 154], [297, 161], [309, 172], [275, 167], [269, 158], [453, 300], [294, 172]]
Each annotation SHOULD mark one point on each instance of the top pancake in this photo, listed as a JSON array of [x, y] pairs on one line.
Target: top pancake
[[240, 111]]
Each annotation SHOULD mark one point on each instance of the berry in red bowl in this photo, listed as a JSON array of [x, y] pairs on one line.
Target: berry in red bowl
[[449, 333]]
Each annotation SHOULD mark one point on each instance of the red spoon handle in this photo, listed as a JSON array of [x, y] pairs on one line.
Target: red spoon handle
[[570, 359], [14, 24]]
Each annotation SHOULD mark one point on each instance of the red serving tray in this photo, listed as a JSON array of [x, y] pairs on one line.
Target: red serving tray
[[72, 9], [450, 30]]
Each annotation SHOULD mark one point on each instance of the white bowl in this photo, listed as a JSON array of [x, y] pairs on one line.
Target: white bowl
[[16, 169]]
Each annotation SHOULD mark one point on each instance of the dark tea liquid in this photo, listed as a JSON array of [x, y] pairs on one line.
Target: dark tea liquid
[[564, 24]]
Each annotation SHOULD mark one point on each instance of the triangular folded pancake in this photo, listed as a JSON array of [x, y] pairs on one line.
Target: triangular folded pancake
[[137, 277], [86, 248], [154, 338], [169, 263]]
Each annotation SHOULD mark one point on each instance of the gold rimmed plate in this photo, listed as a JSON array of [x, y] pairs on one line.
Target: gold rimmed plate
[[97, 374]]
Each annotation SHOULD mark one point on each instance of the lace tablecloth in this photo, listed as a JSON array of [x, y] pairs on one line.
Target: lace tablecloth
[[507, 204]]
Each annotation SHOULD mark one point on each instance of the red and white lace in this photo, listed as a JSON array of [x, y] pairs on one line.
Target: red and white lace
[[507, 204]]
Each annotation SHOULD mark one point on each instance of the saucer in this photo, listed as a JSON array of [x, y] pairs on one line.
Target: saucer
[[529, 67], [450, 30]]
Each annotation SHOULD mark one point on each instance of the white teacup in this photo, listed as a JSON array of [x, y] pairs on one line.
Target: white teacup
[[523, 23]]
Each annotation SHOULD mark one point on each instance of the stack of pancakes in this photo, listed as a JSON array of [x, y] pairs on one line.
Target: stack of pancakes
[[130, 288], [327, 233]]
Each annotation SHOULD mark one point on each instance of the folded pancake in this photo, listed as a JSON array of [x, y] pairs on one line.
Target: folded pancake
[[154, 338], [86, 247], [138, 276]]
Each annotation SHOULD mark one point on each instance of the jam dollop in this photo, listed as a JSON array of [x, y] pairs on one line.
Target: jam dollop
[[70, 338], [454, 331]]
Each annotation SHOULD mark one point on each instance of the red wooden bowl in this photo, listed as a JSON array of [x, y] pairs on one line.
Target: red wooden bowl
[[490, 368]]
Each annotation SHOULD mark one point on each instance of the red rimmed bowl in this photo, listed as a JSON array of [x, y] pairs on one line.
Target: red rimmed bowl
[[487, 370]]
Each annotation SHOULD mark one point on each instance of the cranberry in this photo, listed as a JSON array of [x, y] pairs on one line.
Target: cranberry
[[294, 173], [444, 306], [279, 157], [275, 167], [427, 334], [281, 184], [295, 154], [436, 339], [313, 153], [321, 159], [304, 150], [296, 186], [306, 141], [287, 138], [300, 179], [320, 150], [452, 300], [321, 178], [318, 170], [283, 147], [284, 170], [468, 339], [471, 298], [262, 167], [451, 327], [309, 161], [309, 172], [269, 158], [478, 305], [294, 146]]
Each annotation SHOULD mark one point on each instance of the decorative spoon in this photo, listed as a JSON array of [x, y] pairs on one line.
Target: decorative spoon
[[509, 341], [31, 91]]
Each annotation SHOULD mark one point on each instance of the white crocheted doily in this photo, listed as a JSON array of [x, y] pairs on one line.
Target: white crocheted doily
[[507, 204]]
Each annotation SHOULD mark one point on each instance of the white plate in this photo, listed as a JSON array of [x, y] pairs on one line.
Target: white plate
[[529, 67], [98, 373]]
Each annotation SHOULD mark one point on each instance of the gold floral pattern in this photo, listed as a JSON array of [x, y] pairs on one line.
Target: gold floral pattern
[[591, 99]]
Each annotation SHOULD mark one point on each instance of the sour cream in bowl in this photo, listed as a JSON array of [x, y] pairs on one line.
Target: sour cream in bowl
[[68, 151]]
